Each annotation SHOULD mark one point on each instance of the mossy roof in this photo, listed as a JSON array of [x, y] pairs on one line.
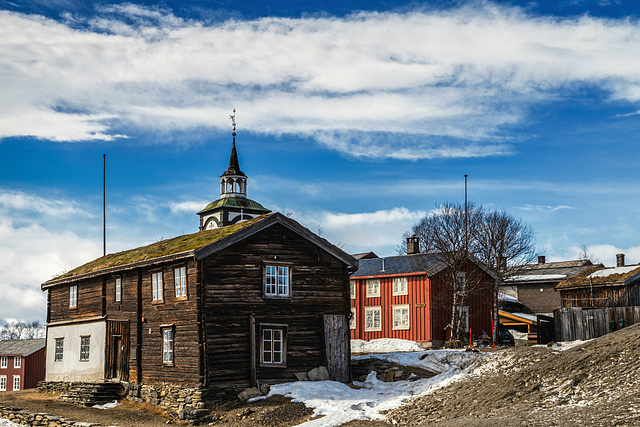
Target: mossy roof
[[606, 276], [175, 246]]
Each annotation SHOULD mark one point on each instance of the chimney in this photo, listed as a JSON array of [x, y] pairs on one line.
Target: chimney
[[541, 259], [413, 245], [619, 260]]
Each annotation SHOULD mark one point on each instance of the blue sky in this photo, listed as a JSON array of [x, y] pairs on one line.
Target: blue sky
[[354, 117]]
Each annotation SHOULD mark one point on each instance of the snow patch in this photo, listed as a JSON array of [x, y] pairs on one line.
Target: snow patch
[[384, 345], [107, 405], [616, 270]]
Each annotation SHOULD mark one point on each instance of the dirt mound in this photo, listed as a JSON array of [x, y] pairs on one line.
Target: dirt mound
[[595, 383]]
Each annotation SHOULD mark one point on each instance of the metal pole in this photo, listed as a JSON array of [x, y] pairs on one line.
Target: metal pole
[[466, 215], [104, 205]]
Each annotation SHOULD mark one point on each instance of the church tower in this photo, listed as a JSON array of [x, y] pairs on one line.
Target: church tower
[[233, 205]]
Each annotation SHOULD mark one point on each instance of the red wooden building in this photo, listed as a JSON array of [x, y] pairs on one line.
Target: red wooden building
[[21, 364], [409, 297]]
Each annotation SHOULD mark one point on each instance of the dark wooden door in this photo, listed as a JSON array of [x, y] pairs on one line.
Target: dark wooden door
[[338, 347], [117, 358]]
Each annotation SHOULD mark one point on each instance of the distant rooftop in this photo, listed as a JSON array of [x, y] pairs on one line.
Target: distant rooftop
[[21, 347]]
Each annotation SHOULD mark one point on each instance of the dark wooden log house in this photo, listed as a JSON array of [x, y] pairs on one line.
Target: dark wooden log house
[[253, 302]]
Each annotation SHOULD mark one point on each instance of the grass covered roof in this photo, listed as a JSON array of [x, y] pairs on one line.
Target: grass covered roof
[[604, 276], [163, 248]]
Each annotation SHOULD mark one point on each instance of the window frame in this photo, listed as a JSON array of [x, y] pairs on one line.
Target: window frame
[[370, 283], [277, 286], [461, 285], [404, 289], [85, 348], [168, 346], [180, 282], [57, 353], [4, 362], [3, 383], [118, 289], [157, 287], [373, 309], [16, 383], [17, 359], [73, 296], [463, 311], [353, 320], [353, 289], [283, 345], [401, 326]]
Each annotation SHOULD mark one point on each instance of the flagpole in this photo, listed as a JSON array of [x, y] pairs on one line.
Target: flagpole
[[104, 205]]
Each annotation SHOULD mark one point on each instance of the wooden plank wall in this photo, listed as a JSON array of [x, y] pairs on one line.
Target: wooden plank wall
[[89, 301], [338, 348], [233, 293], [115, 328], [574, 323]]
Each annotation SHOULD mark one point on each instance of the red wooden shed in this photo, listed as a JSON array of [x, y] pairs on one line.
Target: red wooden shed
[[21, 364]]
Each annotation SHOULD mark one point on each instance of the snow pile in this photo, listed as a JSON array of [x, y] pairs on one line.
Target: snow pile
[[6, 423], [338, 403], [107, 405], [384, 345]]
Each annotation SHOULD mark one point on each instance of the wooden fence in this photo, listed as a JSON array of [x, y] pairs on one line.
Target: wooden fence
[[580, 323]]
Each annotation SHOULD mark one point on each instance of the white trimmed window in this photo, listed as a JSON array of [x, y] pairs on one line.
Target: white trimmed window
[[16, 382], [85, 348], [463, 312], [273, 343], [352, 289], [167, 345], [3, 362], [180, 281], [73, 296], [59, 350], [17, 361], [373, 288], [400, 286], [3, 383], [156, 286], [276, 281], [373, 318], [118, 284], [401, 317], [353, 321]]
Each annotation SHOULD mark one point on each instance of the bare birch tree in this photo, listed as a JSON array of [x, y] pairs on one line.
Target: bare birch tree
[[500, 241], [505, 244]]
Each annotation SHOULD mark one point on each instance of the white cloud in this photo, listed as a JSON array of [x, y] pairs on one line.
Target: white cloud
[[355, 84], [11, 200], [544, 208], [380, 231]]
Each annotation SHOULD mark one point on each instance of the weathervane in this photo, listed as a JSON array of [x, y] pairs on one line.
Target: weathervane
[[233, 122]]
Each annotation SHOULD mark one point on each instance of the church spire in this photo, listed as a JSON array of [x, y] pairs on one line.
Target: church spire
[[233, 205]]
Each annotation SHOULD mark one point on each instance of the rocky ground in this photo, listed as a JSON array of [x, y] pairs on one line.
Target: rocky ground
[[595, 383]]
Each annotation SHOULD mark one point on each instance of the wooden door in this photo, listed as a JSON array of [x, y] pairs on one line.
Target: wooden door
[[117, 358], [338, 347]]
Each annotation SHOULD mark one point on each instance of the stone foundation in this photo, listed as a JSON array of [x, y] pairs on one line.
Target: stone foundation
[[18, 416]]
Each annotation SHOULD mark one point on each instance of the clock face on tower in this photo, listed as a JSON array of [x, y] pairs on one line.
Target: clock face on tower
[[211, 225]]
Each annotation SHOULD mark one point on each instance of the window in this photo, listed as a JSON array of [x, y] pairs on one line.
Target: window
[[180, 280], [353, 321], [460, 282], [352, 289], [373, 288], [17, 361], [16, 382], [400, 286], [401, 317], [3, 362], [167, 345], [85, 343], [118, 289], [59, 349], [3, 383], [273, 345], [372, 319], [463, 313], [276, 280], [73, 296], [156, 286]]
